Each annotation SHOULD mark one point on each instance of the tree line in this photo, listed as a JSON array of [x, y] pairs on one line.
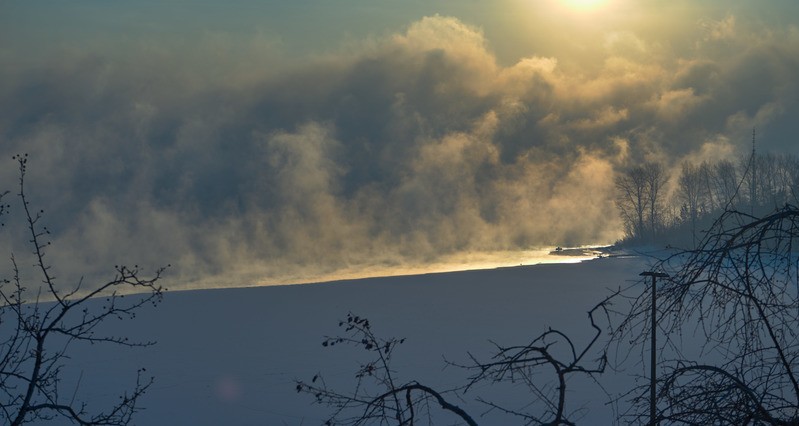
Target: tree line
[[651, 209]]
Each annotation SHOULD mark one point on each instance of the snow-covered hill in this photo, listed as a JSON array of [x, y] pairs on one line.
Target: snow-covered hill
[[231, 356]]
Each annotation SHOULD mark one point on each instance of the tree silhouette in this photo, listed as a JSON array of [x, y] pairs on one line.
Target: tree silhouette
[[524, 363], [641, 200], [40, 321], [729, 315], [379, 398]]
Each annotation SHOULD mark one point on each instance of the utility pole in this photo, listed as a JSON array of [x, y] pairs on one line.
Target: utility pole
[[752, 167], [653, 361]]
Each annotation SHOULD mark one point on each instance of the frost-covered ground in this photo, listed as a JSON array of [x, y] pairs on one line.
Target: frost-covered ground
[[231, 356]]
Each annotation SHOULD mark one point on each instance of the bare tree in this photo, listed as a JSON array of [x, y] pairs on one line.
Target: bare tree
[[631, 200], [760, 181], [788, 179], [378, 396], [725, 184], [709, 201], [39, 322], [768, 181], [728, 315], [523, 364], [656, 179], [689, 194], [641, 199]]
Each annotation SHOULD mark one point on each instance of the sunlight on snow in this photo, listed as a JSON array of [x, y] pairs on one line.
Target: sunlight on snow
[[456, 262]]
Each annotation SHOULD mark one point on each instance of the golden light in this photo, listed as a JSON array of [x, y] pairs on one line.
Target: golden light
[[583, 4]]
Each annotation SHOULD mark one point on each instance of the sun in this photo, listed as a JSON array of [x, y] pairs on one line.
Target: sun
[[583, 4]]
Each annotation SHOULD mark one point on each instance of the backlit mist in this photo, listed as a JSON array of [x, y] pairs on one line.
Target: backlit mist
[[265, 142]]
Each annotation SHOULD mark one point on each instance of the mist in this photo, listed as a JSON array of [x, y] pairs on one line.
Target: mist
[[241, 164]]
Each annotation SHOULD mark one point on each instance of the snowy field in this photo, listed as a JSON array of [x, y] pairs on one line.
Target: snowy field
[[231, 356]]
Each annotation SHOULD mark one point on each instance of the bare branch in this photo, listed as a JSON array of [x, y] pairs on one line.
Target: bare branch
[[31, 357], [738, 291]]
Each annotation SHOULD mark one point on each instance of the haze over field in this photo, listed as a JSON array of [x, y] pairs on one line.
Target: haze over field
[[267, 141]]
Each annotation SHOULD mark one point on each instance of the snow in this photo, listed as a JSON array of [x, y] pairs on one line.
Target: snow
[[231, 356]]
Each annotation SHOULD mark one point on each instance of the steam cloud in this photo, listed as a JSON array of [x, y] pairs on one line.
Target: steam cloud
[[401, 150]]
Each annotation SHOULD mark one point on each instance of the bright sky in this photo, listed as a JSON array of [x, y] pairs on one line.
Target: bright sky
[[267, 139], [514, 28]]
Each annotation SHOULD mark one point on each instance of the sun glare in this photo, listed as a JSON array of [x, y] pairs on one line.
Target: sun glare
[[583, 4]]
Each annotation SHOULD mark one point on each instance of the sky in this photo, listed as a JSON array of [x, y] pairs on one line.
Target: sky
[[255, 142]]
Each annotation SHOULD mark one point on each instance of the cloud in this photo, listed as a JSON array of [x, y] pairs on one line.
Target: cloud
[[399, 151], [673, 105], [719, 30]]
